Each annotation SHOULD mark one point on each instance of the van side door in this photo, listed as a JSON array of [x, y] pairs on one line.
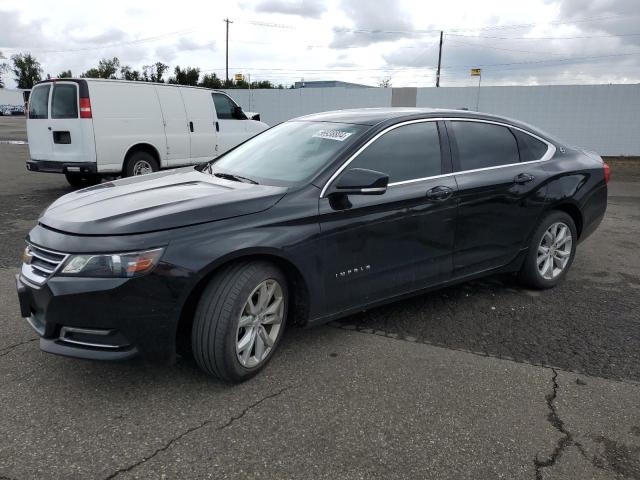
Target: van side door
[[232, 126], [201, 123], [176, 126]]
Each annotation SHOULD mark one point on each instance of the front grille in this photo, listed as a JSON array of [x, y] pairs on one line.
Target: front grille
[[41, 263]]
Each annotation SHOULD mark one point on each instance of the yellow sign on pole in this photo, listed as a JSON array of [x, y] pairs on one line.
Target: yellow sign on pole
[[476, 72], [239, 77]]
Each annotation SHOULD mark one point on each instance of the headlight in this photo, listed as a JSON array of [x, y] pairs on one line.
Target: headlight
[[112, 265]]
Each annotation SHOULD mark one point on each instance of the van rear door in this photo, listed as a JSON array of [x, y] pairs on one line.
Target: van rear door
[[71, 136], [176, 125], [201, 122], [38, 133]]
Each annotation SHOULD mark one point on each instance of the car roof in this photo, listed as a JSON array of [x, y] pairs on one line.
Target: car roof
[[375, 116]]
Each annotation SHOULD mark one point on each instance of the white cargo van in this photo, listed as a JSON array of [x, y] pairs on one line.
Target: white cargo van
[[90, 128]]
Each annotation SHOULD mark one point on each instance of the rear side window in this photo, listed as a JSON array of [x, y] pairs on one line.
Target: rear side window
[[530, 148], [224, 106], [64, 101], [39, 102], [404, 153], [482, 145]]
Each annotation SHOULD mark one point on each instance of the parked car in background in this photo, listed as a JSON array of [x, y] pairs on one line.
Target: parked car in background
[[314, 219], [90, 128]]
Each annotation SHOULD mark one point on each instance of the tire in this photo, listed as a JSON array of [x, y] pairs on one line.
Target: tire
[[82, 180], [552, 270], [217, 333], [140, 163]]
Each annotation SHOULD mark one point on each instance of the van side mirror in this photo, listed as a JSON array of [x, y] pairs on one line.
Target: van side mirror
[[361, 181], [238, 114]]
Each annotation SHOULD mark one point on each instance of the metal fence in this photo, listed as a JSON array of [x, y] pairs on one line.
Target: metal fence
[[604, 118]]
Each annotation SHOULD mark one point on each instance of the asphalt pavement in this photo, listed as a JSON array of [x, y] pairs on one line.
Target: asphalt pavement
[[483, 380]]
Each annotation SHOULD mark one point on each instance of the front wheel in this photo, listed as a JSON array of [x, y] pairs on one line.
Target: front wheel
[[551, 251], [239, 320]]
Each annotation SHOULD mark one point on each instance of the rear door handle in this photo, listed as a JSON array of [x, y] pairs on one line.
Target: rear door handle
[[191, 126], [523, 178], [439, 193]]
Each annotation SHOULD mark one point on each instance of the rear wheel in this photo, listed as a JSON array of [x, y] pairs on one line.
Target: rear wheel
[[239, 320], [551, 251], [82, 180], [140, 163]]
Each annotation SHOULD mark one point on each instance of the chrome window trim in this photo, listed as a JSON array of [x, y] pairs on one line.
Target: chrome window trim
[[551, 150]]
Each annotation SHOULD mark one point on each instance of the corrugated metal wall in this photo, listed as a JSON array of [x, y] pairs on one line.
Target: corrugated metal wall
[[604, 118]]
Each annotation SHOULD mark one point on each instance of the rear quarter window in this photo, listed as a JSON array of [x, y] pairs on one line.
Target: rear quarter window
[[39, 102], [530, 148]]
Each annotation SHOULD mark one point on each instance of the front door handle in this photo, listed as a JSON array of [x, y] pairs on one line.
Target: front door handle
[[191, 126], [523, 178], [439, 193], [217, 127]]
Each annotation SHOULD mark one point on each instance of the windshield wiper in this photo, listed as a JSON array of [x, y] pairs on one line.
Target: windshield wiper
[[235, 178]]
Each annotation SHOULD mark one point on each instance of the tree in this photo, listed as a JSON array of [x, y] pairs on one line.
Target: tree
[[154, 72], [385, 82], [211, 80], [107, 68], [65, 74], [27, 70], [186, 76], [128, 74]]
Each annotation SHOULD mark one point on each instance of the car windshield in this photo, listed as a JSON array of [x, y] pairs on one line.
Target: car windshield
[[288, 153]]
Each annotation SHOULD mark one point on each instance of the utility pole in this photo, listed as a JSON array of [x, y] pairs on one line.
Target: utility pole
[[439, 61], [227, 21]]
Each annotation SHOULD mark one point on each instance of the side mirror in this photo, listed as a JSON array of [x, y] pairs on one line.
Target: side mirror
[[360, 181], [238, 114]]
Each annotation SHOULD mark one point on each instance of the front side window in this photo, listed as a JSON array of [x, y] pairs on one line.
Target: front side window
[[224, 106], [39, 102], [408, 152], [483, 145], [290, 152], [64, 101]]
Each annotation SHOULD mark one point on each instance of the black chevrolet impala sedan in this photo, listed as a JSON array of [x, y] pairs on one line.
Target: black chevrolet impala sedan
[[314, 219]]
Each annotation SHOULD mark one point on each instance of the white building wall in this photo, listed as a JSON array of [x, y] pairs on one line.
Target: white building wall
[[603, 118], [10, 97]]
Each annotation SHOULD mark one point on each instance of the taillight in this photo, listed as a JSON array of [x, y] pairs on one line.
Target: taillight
[[607, 172], [85, 108]]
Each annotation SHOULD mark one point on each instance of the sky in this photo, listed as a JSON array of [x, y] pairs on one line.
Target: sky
[[526, 42]]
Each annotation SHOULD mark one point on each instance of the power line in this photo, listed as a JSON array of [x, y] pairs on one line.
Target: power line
[[546, 38]]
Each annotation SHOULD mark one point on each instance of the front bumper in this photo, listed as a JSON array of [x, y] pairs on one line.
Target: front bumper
[[102, 318], [62, 167]]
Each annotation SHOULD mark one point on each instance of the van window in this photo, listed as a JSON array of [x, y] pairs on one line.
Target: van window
[[64, 101], [409, 152], [224, 106], [39, 102], [483, 145]]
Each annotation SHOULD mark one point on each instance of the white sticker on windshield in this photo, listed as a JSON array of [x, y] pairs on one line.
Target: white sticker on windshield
[[333, 135]]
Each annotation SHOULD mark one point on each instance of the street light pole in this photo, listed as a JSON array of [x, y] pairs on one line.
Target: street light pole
[[227, 21]]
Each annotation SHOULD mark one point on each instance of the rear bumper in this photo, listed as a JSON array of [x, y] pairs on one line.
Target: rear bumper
[[61, 167]]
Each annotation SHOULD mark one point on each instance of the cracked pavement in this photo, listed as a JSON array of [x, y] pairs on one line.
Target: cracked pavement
[[484, 380]]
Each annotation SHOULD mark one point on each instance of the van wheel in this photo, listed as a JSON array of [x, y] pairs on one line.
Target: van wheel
[[79, 180], [239, 320], [140, 163], [551, 251]]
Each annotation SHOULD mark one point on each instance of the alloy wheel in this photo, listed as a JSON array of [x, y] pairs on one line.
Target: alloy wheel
[[142, 167], [259, 324], [554, 250]]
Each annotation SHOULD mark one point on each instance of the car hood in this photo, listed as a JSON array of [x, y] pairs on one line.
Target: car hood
[[158, 201]]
